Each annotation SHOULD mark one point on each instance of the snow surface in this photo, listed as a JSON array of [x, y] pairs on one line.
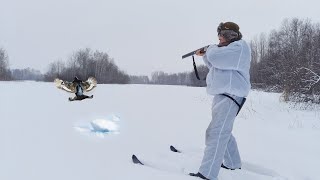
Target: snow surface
[[40, 137]]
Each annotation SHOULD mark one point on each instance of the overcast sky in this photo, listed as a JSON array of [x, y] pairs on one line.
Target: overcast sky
[[141, 36]]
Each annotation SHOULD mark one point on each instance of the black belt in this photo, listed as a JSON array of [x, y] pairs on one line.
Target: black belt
[[239, 105]]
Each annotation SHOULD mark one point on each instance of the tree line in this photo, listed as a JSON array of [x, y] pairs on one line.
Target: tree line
[[85, 63], [288, 60], [181, 78]]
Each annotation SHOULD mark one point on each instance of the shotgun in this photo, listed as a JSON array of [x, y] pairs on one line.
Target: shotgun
[[202, 50]]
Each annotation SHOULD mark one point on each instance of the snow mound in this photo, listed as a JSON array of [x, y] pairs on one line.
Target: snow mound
[[103, 125], [100, 127]]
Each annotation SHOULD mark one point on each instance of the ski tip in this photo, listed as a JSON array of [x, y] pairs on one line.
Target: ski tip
[[172, 148], [135, 160]]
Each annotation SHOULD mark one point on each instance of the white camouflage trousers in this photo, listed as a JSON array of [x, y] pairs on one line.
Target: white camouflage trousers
[[221, 146]]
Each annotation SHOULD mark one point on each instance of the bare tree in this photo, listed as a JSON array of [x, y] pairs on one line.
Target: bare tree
[[4, 63]]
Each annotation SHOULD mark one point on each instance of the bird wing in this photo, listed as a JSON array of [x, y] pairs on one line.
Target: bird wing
[[65, 85], [89, 84]]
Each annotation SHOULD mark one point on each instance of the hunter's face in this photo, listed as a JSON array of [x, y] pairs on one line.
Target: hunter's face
[[221, 39]]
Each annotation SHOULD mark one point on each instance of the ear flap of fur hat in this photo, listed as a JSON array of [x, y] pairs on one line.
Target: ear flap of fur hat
[[230, 35]]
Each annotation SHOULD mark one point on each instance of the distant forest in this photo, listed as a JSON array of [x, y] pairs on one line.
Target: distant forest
[[286, 60]]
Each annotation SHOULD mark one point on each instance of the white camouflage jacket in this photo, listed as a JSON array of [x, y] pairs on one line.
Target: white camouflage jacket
[[228, 69]]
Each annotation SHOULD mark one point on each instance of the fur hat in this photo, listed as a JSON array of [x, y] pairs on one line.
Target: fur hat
[[230, 31]]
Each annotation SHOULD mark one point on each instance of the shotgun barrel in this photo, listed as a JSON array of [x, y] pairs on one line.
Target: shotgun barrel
[[203, 49]]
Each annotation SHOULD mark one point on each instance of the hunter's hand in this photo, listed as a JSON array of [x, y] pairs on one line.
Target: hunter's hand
[[200, 53]]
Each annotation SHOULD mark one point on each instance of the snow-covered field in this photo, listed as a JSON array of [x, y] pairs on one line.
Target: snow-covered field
[[42, 136]]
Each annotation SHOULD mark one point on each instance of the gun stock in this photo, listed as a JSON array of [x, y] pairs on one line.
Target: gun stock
[[203, 49]]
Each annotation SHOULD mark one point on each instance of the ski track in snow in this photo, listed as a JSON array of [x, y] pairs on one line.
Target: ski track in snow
[[183, 163]]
